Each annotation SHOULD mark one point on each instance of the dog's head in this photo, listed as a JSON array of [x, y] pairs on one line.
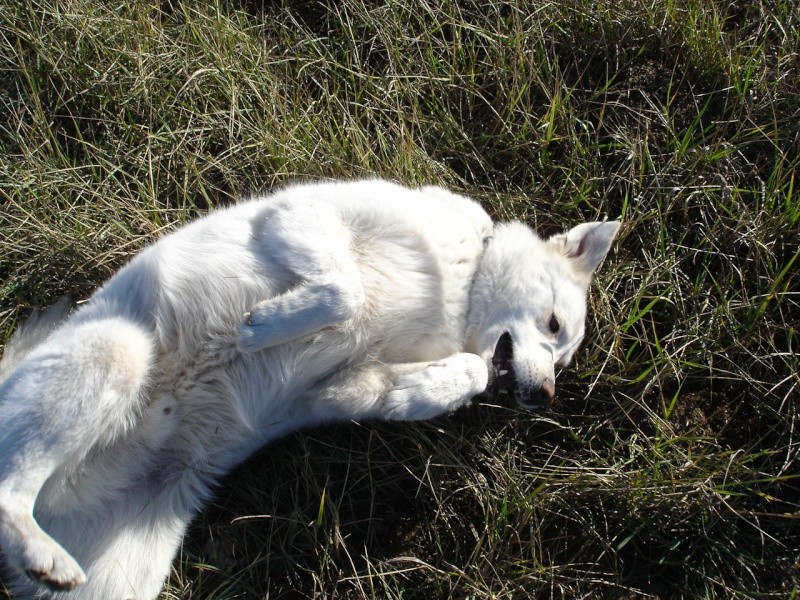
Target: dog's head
[[528, 305]]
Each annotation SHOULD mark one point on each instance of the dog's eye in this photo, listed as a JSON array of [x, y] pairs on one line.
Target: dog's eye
[[554, 325]]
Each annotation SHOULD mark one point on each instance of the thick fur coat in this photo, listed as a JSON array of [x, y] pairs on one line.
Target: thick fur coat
[[320, 303]]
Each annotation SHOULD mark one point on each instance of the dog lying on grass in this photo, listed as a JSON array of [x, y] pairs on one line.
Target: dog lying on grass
[[320, 303]]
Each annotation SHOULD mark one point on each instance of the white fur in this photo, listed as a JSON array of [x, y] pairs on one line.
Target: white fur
[[319, 303]]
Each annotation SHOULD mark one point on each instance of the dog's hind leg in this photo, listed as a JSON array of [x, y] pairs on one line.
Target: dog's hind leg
[[311, 245], [77, 391]]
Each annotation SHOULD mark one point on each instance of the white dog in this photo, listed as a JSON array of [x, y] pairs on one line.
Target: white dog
[[320, 303]]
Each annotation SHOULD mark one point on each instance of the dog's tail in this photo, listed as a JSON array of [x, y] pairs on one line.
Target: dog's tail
[[33, 332]]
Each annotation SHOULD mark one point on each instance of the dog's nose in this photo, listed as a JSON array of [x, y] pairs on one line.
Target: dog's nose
[[536, 397], [544, 394]]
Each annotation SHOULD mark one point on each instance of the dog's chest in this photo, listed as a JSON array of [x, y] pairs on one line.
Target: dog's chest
[[417, 284]]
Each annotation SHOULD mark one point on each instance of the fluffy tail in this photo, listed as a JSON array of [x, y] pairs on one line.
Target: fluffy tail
[[32, 333]]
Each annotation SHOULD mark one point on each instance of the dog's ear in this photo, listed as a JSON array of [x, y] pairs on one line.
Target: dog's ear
[[586, 244]]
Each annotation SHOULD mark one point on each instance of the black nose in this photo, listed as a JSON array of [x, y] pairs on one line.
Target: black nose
[[544, 395], [538, 396]]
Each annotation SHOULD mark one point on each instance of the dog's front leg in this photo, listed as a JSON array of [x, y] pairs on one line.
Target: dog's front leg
[[300, 312], [437, 388], [310, 246], [402, 392]]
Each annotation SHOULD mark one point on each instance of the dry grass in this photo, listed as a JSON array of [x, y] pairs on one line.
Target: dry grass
[[669, 468]]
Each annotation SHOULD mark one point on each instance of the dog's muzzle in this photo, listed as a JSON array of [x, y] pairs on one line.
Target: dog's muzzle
[[504, 380]]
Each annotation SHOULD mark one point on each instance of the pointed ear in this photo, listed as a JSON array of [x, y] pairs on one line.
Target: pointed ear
[[586, 244]]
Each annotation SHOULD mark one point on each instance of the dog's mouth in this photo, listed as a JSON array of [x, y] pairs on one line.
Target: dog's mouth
[[503, 377], [504, 380]]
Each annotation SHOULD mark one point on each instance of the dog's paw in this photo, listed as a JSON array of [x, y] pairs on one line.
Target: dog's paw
[[49, 565], [441, 387], [41, 558]]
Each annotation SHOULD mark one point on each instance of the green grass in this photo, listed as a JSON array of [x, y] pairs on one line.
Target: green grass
[[669, 468]]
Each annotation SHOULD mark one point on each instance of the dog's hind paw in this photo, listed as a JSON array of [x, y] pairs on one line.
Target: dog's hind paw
[[40, 557], [57, 582], [57, 570]]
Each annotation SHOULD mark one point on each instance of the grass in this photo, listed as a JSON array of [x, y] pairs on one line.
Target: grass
[[669, 468]]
